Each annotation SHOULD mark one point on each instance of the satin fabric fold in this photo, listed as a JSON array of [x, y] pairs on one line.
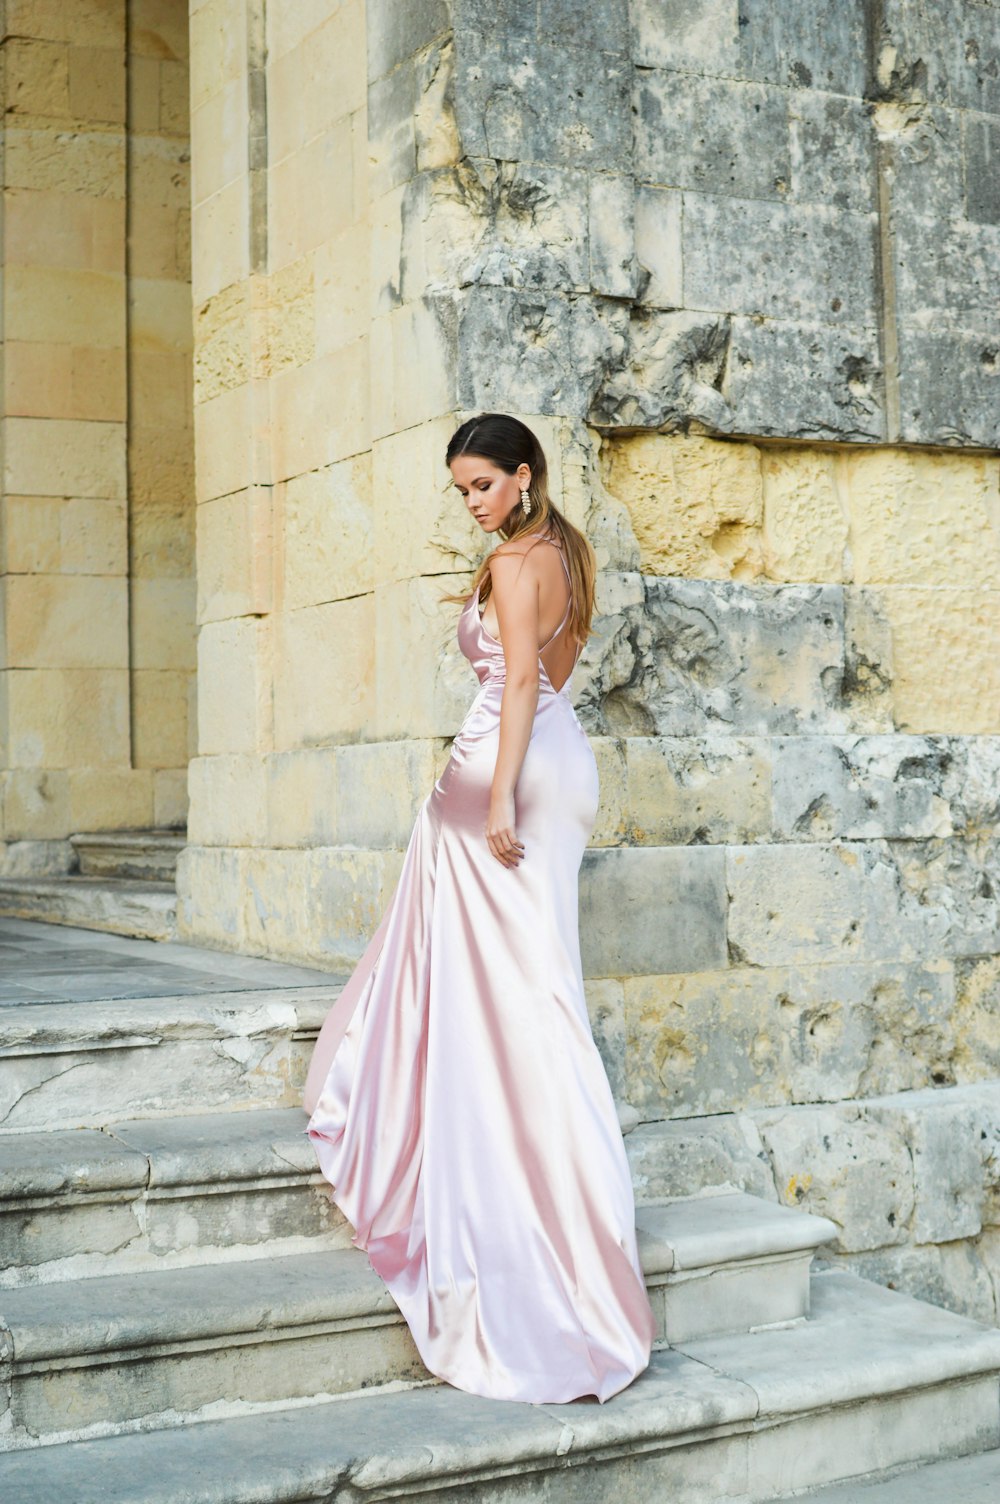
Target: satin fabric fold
[[459, 1107]]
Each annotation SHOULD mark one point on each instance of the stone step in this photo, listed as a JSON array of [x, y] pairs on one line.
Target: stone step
[[147, 854], [76, 1065], [120, 905], [323, 1320], [961, 1480], [874, 1380], [167, 1192]]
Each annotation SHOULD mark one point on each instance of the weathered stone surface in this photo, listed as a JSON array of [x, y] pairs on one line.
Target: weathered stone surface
[[683, 1158], [694, 790], [952, 1274], [623, 934], [862, 787]]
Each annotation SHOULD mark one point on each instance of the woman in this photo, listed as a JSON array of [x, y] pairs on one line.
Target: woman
[[459, 1105]]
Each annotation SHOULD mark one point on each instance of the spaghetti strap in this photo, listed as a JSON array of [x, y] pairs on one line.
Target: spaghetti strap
[[562, 559]]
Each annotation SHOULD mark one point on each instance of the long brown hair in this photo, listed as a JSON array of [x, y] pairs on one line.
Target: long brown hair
[[507, 443]]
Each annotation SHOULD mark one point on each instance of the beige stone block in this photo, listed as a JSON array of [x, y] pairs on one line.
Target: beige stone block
[[219, 130], [162, 540], [695, 789], [160, 389], [93, 22], [228, 800], [416, 370], [161, 466], [288, 25], [97, 84], [388, 242], [170, 790], [159, 176], [64, 306], [235, 680], [220, 240], [159, 314], [68, 718], [143, 95], [63, 457], [322, 906], [218, 47], [30, 534], [110, 799], [222, 343], [947, 669], [233, 535], [85, 162], [222, 428], [422, 525], [695, 503], [318, 81], [319, 411], [290, 338], [158, 28], [342, 288], [67, 621], [311, 194], [324, 673], [37, 77], [424, 685], [163, 624], [806, 529], [328, 542], [64, 229], [302, 797], [93, 536], [610, 826], [380, 787], [922, 518], [175, 85], [160, 718], [65, 381], [977, 1019], [155, 245], [36, 804]]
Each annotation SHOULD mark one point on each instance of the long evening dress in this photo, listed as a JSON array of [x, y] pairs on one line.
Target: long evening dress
[[459, 1106]]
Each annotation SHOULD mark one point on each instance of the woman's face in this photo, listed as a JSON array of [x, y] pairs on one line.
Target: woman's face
[[489, 493]]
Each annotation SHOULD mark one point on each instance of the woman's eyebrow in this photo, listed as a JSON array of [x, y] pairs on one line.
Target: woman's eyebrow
[[474, 480]]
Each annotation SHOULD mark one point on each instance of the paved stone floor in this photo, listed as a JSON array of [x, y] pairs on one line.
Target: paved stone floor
[[965, 1480], [60, 963]]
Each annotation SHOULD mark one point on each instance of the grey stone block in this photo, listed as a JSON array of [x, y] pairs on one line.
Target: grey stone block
[[948, 382], [944, 52], [861, 787], [802, 48], [651, 910], [833, 155], [711, 135], [684, 1157], [395, 32], [694, 790]]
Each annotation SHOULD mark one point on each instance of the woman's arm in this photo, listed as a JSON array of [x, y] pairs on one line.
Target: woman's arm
[[515, 593]]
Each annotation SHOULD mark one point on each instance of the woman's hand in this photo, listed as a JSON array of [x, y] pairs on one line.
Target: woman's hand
[[501, 836]]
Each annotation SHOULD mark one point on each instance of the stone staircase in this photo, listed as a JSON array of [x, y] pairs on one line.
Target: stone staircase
[[121, 881], [183, 1319]]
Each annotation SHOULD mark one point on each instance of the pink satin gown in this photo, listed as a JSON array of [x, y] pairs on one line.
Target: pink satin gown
[[458, 1104]]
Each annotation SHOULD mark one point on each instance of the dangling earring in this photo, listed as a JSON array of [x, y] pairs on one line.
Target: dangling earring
[[525, 503]]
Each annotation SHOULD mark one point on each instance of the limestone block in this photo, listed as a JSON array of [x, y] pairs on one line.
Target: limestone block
[[376, 287], [867, 686], [170, 790], [161, 468], [160, 388], [424, 691], [235, 654], [158, 29], [30, 534], [161, 730], [415, 363], [972, 783], [840, 901], [700, 1154], [784, 45], [69, 230], [218, 47], [320, 411], [953, 1274], [37, 77], [658, 246], [977, 1018], [859, 787], [946, 1136], [315, 82], [586, 500], [222, 341], [379, 788], [704, 656], [65, 381], [328, 537], [902, 534], [611, 825], [695, 503], [232, 533], [36, 804], [219, 128], [695, 790], [805, 526], [605, 1008], [222, 429], [68, 718], [392, 110], [84, 162], [422, 525], [110, 798], [834, 1162], [162, 619], [311, 194], [654, 910], [949, 382], [302, 793], [63, 305], [220, 236], [144, 95], [67, 621], [947, 670], [953, 882], [831, 149], [229, 800], [700, 133], [319, 906], [159, 314], [703, 38], [64, 457], [394, 34], [89, 21], [97, 84], [290, 319], [324, 672], [174, 95], [719, 1040]]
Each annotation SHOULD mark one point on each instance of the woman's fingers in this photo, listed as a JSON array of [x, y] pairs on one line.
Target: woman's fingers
[[505, 847]]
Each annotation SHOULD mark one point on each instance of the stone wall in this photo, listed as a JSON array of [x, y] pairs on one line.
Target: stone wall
[[690, 245], [95, 664]]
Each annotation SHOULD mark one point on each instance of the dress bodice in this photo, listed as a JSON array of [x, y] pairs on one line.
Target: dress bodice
[[486, 654]]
